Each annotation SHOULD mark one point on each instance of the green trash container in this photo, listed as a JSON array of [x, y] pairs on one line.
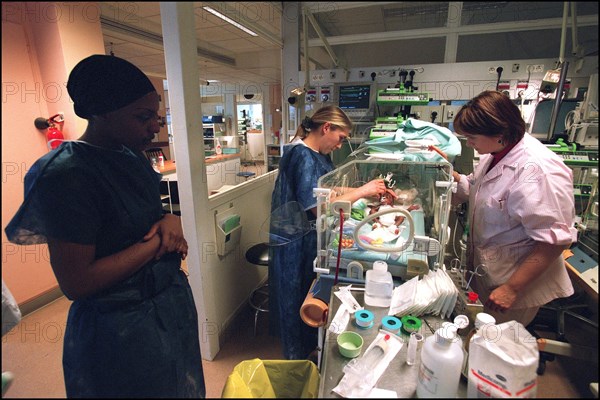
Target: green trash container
[[273, 379]]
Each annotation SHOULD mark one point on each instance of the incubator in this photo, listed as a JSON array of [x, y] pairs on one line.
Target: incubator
[[409, 232]]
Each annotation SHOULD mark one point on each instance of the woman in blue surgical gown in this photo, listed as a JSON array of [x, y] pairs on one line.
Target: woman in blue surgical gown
[[291, 264], [132, 329]]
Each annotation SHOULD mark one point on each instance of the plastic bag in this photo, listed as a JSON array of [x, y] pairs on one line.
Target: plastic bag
[[273, 379], [11, 314], [503, 361]]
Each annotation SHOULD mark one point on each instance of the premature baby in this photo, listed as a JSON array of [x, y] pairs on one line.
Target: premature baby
[[392, 221]]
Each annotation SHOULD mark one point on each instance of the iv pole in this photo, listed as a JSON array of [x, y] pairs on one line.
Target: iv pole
[[564, 66]]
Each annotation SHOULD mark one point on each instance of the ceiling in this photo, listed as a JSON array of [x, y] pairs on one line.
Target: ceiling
[[358, 34], [132, 30]]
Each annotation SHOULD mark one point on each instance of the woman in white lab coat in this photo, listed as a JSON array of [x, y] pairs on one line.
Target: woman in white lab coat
[[521, 211]]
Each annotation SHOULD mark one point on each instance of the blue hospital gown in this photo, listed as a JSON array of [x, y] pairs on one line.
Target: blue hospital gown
[[291, 265], [138, 338]]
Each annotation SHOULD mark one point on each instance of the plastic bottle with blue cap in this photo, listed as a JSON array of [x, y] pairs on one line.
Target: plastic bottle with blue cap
[[379, 285]]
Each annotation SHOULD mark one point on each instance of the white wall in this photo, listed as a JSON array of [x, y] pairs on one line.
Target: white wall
[[229, 280]]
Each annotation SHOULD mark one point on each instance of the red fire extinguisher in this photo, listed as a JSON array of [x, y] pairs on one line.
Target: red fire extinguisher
[[53, 127]]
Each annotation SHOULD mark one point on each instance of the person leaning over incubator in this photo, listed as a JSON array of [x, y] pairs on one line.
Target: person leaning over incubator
[[132, 328], [521, 211], [291, 265]]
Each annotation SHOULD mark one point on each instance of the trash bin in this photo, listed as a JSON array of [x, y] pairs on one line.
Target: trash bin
[[273, 379]]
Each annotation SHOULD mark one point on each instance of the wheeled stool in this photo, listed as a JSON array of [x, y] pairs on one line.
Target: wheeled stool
[[259, 298]]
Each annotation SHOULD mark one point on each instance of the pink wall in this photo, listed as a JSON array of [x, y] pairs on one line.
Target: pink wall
[[41, 42]]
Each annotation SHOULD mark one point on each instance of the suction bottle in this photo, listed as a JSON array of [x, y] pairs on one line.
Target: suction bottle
[[379, 285]]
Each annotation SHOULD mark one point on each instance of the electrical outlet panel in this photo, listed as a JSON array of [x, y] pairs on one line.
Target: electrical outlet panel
[[449, 113], [421, 112], [534, 68], [311, 95], [428, 113], [325, 94]]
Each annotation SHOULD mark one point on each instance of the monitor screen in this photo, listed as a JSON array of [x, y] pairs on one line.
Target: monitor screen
[[354, 97]]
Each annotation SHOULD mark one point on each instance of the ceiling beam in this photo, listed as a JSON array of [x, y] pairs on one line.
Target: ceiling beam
[[499, 27], [318, 64], [319, 6], [322, 36], [131, 33], [453, 20]]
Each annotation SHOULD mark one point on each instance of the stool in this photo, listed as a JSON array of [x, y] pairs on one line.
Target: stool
[[245, 174], [259, 298]]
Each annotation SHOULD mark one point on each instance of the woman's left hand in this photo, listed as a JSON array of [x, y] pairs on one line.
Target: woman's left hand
[[501, 299], [171, 232]]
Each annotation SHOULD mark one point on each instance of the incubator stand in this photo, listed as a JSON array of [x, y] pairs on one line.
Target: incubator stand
[[418, 238]]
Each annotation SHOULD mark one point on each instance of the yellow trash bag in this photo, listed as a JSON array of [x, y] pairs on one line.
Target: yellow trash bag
[[272, 379]]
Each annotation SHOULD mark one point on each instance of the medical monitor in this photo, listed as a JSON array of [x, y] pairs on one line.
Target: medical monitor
[[543, 117], [356, 99]]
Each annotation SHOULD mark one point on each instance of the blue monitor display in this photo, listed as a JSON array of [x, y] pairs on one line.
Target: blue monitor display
[[354, 97]]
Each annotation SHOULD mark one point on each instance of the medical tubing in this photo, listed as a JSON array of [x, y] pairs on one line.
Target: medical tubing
[[441, 153], [337, 264], [454, 238], [411, 231]]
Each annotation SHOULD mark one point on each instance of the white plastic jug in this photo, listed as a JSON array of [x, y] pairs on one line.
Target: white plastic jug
[[379, 285], [441, 364]]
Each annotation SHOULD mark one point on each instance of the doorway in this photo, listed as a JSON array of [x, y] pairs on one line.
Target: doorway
[[251, 130]]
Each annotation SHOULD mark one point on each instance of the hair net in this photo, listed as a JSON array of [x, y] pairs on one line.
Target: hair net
[[100, 84]]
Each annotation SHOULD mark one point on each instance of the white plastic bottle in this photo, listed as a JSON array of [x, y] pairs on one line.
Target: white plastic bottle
[[379, 285], [481, 320], [218, 149], [441, 363]]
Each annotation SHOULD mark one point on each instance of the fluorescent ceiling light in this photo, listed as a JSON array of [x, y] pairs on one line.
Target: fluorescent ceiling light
[[227, 19], [212, 80]]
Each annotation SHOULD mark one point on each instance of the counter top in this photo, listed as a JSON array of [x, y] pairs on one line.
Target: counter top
[[398, 377], [222, 157], [169, 166]]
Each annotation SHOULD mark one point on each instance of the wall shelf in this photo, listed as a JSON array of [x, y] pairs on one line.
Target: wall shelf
[[213, 130]]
